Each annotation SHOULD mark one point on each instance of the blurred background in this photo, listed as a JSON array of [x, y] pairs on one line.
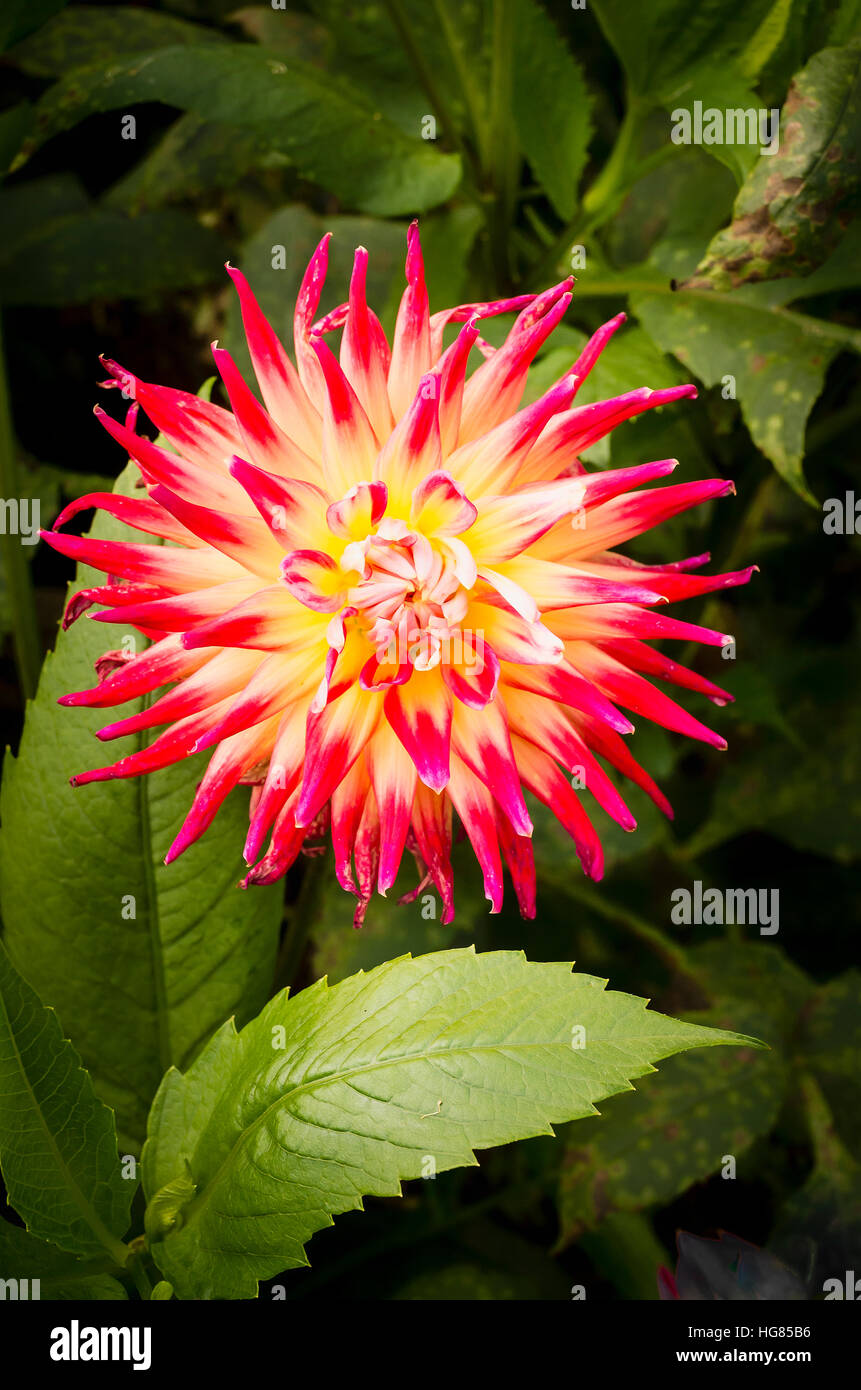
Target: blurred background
[[147, 144]]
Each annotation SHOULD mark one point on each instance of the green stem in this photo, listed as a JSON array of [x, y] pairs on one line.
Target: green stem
[[503, 160], [134, 1267], [301, 919], [464, 77], [25, 626], [425, 74], [828, 1149], [612, 176]]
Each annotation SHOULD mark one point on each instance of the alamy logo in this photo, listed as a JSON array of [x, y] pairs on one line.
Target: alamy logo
[[716, 907], [735, 126], [20, 1289], [76, 1343], [19, 516]]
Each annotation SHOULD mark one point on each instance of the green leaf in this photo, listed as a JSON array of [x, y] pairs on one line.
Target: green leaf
[[193, 158], [771, 792], [347, 1092], [841, 271], [554, 130], [99, 254], [680, 1125], [676, 1130], [90, 34], [62, 1277], [58, 1144], [777, 358], [761, 975], [717, 86], [14, 126], [368, 49], [465, 1281], [846, 23], [20, 17], [329, 130], [667, 38], [137, 992], [818, 1231], [828, 1049], [285, 32], [762, 45], [794, 206], [671, 212]]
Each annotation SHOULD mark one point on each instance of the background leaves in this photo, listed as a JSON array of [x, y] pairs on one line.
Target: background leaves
[[796, 204], [141, 963]]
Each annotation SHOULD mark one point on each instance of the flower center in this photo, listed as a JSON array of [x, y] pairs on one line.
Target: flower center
[[409, 597]]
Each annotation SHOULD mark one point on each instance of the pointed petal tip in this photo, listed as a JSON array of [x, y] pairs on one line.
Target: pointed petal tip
[[437, 779]]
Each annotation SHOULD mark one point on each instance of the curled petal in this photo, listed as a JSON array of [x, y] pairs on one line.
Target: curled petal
[[358, 513], [440, 507], [315, 579]]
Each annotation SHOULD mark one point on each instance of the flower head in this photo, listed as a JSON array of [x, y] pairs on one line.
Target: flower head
[[390, 594]]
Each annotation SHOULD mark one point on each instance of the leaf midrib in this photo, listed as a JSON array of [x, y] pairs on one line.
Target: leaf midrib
[[197, 1204]]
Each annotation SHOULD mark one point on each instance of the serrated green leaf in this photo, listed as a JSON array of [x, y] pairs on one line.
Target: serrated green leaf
[[554, 131], [777, 359], [62, 1277], [89, 34], [141, 992], [58, 1144], [347, 1092], [794, 206], [329, 130]]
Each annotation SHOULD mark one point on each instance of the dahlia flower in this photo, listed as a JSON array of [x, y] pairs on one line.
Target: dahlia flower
[[389, 594]]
